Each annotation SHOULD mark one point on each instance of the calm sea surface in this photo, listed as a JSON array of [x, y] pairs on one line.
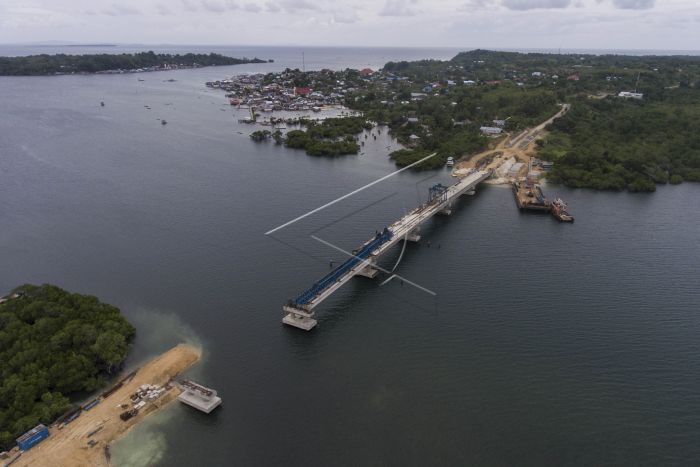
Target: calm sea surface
[[547, 344]]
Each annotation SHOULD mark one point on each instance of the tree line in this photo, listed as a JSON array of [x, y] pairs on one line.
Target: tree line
[[54, 346], [92, 63], [620, 144]]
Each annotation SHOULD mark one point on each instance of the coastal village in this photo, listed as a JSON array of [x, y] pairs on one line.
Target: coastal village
[[387, 98], [511, 157], [281, 94]]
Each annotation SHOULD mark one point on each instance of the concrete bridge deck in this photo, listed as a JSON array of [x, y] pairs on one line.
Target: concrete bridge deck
[[300, 311]]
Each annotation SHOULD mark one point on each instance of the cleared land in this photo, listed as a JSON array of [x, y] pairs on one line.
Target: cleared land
[[69, 446], [519, 147]]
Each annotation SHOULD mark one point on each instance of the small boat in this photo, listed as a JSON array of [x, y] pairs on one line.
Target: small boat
[[559, 211], [450, 161]]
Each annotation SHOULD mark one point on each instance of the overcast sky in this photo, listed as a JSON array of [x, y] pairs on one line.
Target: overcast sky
[[602, 24]]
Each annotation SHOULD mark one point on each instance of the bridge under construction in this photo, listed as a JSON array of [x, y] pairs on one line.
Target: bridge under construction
[[299, 311]]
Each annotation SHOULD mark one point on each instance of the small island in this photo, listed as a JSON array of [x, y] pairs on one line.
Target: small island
[[58, 352], [62, 64], [54, 346]]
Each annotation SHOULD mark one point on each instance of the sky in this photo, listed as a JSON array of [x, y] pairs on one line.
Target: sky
[[567, 24]]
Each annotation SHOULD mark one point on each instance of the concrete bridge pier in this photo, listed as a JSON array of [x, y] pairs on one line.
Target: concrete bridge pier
[[302, 319], [370, 271], [413, 235]]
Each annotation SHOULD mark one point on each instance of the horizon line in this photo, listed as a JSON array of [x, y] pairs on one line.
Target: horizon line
[[55, 43]]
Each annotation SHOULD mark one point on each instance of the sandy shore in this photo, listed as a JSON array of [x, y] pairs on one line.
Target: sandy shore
[[69, 446]]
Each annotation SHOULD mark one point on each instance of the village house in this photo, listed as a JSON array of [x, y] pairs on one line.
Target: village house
[[490, 130], [631, 95]]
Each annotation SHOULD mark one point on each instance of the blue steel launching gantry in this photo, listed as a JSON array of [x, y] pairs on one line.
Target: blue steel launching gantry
[[299, 311]]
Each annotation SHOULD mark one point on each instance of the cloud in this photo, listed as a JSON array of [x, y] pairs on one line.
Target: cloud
[[189, 5], [470, 5], [219, 6], [292, 6], [252, 7], [539, 4], [120, 10], [634, 4], [399, 8], [272, 7], [163, 9], [345, 15]]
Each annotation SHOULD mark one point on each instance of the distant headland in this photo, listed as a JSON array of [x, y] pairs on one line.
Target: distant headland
[[62, 64]]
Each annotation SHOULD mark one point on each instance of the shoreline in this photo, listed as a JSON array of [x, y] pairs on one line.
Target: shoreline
[[68, 445]]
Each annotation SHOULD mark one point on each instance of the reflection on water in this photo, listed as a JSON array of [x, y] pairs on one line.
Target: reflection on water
[[547, 344]]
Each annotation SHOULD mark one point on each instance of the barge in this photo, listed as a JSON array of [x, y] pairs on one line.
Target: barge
[[529, 196]]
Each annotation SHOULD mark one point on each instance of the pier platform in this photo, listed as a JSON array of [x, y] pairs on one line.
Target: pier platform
[[197, 396]]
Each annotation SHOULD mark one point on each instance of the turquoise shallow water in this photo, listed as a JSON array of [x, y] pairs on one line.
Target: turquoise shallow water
[[546, 344]]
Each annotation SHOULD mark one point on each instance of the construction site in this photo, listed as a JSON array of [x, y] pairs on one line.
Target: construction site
[[83, 436], [513, 161]]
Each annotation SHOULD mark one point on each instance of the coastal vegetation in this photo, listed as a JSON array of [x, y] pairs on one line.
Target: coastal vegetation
[[633, 121], [329, 137], [98, 63], [615, 144], [261, 135], [605, 142], [448, 121], [54, 346]]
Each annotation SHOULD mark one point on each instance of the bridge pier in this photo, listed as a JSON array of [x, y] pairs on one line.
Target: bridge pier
[[298, 318], [413, 235], [369, 271], [298, 321], [446, 211]]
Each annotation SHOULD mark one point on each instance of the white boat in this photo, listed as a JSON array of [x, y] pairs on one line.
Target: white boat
[[450, 161]]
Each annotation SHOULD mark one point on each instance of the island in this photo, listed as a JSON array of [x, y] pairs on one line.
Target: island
[[631, 122], [86, 440], [58, 353], [62, 64], [54, 345]]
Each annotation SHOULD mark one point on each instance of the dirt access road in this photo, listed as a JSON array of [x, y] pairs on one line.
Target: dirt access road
[[519, 147], [68, 447]]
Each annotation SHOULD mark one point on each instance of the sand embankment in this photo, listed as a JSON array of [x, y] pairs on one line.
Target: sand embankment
[[69, 446]]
